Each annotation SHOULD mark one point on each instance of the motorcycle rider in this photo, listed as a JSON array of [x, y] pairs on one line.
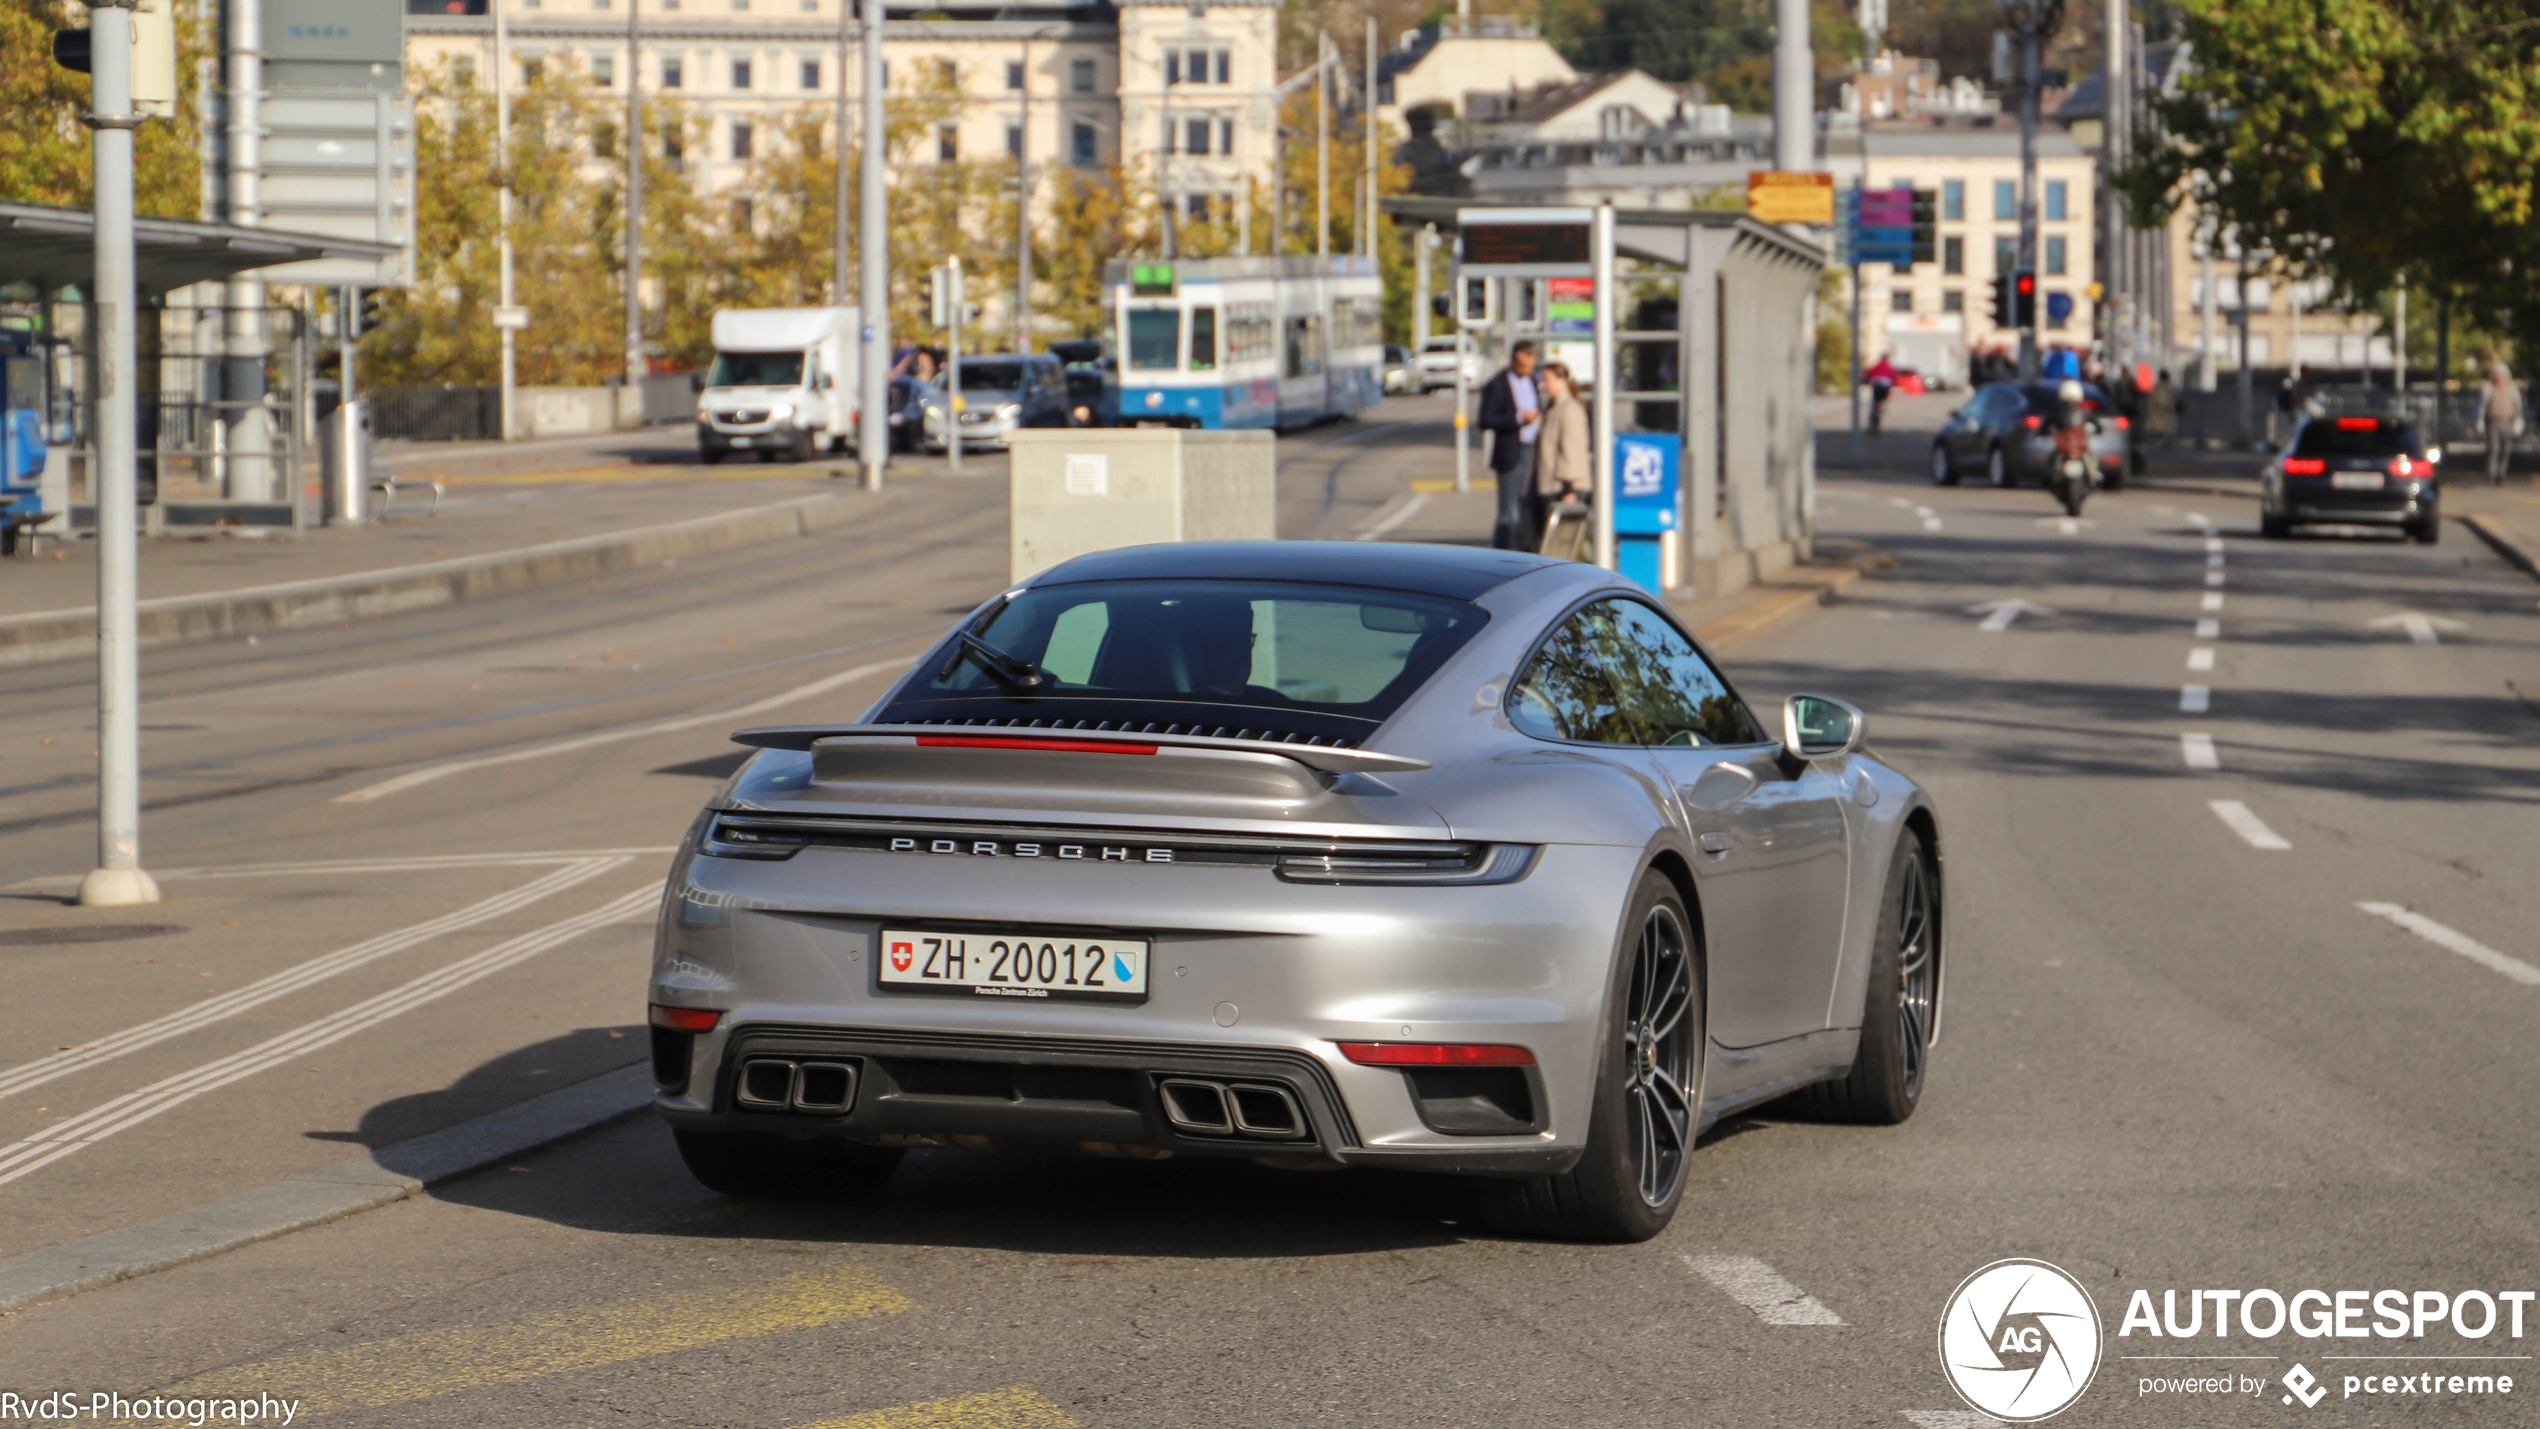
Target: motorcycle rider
[[2071, 433]]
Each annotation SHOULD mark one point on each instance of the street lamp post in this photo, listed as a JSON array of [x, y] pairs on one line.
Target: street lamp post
[[873, 285], [118, 879], [2032, 21], [503, 213], [841, 281], [634, 199]]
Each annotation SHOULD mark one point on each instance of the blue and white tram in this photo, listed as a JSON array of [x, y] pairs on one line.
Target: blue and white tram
[[1247, 342]]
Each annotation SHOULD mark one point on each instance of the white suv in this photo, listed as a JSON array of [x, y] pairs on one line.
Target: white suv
[[1435, 366]]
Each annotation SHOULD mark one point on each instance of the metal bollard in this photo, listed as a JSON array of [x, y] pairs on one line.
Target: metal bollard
[[344, 442]]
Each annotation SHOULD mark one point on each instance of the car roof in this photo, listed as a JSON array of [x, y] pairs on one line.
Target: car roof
[[1455, 572]]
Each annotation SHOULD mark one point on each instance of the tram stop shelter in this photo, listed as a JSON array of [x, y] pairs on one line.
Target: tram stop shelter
[[1714, 336]]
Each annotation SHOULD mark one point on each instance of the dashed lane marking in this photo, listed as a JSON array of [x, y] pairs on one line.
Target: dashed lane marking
[[2214, 559], [2209, 630], [2198, 751], [2195, 699], [2453, 940], [292, 979], [2199, 518], [2213, 578], [1949, 1419], [2213, 601], [1760, 1288], [2214, 545], [1015, 1407], [430, 1363], [70, 1135], [2253, 831], [2200, 658], [430, 772]]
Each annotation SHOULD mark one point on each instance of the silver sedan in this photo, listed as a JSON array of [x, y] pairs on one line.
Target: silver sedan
[[1401, 856]]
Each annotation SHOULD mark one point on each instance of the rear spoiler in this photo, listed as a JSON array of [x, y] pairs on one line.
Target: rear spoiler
[[1328, 759]]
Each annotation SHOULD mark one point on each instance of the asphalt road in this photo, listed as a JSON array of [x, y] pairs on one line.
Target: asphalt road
[[2178, 1052]]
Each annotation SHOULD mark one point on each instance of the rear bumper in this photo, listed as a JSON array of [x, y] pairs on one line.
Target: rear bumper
[[2395, 504]]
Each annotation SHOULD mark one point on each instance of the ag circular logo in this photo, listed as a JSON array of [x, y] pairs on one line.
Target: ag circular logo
[[2019, 1340]]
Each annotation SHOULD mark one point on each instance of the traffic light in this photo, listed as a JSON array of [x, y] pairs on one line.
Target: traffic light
[[368, 310], [2003, 308], [1926, 226], [71, 50], [2024, 295]]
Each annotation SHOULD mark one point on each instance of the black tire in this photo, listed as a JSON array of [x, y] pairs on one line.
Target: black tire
[[2428, 531], [1630, 1179], [708, 456], [1943, 471], [1901, 1006], [2073, 491], [760, 1166], [2273, 527], [1997, 468]]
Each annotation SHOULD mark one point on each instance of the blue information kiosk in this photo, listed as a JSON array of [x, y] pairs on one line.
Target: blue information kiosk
[[1645, 465]]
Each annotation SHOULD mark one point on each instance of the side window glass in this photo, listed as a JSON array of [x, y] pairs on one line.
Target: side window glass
[[1669, 691], [1566, 693]]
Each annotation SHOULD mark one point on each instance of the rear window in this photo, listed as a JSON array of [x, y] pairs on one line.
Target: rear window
[[1329, 662], [2041, 399], [2355, 436]]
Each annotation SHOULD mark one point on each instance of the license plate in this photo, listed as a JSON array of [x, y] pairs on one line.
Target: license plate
[[2356, 481], [740, 441], [1019, 964]]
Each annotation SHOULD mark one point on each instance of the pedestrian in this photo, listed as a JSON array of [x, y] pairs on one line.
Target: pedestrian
[[2500, 419], [1882, 380], [1512, 412], [2160, 412], [1565, 461], [2062, 364]]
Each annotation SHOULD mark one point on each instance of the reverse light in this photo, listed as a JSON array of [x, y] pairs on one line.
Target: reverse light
[[2402, 466], [2305, 465], [1435, 1054], [685, 1019]]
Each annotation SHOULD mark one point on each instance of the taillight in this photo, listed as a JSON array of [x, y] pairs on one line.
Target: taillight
[[2304, 466], [2121, 422], [685, 1019], [2359, 424], [2030, 421], [2401, 466], [1435, 1054]]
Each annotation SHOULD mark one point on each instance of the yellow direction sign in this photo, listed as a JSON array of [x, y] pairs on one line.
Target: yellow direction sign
[[1787, 196]]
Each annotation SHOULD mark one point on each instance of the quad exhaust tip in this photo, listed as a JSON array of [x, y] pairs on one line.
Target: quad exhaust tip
[[1248, 1109], [784, 1084]]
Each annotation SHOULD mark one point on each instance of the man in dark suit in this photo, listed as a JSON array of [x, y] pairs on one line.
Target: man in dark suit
[[1512, 412]]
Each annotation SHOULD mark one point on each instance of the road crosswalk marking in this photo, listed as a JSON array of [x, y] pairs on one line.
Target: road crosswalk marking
[[430, 1363], [1760, 1288], [1949, 1419], [1015, 1407]]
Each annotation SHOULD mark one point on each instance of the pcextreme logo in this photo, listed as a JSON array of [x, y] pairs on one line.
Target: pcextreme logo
[[2019, 1340]]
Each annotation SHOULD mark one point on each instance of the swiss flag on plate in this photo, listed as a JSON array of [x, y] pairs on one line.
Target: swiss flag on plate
[[902, 954]]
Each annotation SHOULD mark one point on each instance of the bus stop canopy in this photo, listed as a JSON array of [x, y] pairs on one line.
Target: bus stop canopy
[[55, 248]]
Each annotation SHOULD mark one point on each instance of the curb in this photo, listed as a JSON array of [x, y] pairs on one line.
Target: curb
[[327, 1193], [1802, 589], [326, 600], [2497, 534]]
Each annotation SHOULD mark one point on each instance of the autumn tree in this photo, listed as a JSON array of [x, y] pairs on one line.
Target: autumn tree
[[45, 150]]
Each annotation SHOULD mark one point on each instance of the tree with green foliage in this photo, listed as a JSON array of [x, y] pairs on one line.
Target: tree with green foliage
[[2366, 140], [44, 148]]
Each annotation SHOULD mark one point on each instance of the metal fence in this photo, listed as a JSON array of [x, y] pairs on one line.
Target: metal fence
[[437, 414]]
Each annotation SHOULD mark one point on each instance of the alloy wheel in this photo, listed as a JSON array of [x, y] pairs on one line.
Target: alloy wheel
[[1659, 1037], [1918, 972]]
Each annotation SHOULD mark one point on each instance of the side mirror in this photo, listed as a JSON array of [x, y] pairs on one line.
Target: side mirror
[[1817, 727]]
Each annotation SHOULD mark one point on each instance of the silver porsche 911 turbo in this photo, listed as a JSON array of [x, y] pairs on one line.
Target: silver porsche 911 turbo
[[1402, 856]]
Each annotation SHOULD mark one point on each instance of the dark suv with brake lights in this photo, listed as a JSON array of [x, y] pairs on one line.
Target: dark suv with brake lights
[[2365, 471]]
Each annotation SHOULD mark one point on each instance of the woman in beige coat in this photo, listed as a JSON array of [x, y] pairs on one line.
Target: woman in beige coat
[[1565, 469]]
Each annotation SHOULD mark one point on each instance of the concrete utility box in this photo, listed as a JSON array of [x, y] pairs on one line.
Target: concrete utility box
[[1081, 489]]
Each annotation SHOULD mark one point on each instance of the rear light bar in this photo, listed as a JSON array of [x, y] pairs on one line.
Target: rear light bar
[[1060, 746], [2304, 465], [2030, 421], [1435, 1054], [2359, 424], [2402, 466], [685, 1019]]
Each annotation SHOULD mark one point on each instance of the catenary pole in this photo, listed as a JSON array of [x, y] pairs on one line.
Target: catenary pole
[[1323, 149], [503, 209], [1608, 377], [2116, 289], [1023, 208], [1367, 107], [118, 879], [1794, 119], [873, 288], [634, 199], [842, 280]]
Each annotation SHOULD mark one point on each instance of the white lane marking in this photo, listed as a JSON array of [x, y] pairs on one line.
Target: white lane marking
[[2216, 559], [2199, 518], [2214, 545], [2160, 510], [2067, 525], [2213, 601], [1931, 523], [2420, 626], [1898, 501], [1402, 513], [417, 864], [2198, 751], [90, 1127], [1949, 1419], [430, 772], [292, 979], [2213, 578], [1760, 1288], [2201, 658], [2452, 940], [2253, 831], [1998, 614], [2195, 699], [2209, 630]]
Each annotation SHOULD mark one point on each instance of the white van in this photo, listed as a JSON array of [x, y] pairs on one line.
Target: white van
[[784, 383]]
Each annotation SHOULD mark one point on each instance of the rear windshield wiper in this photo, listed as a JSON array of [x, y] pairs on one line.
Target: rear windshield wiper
[[1019, 673]]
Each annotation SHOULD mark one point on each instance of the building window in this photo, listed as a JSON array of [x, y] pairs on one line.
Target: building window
[[2055, 255], [1953, 199], [1080, 76], [1195, 207], [2055, 200], [947, 143], [1225, 62], [1081, 144], [1195, 136], [1014, 74], [1953, 301], [811, 74], [1014, 141], [740, 138], [740, 74], [1953, 256], [1172, 66], [1900, 300], [604, 70], [1226, 137], [740, 4], [670, 74], [2006, 199], [2006, 255]]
